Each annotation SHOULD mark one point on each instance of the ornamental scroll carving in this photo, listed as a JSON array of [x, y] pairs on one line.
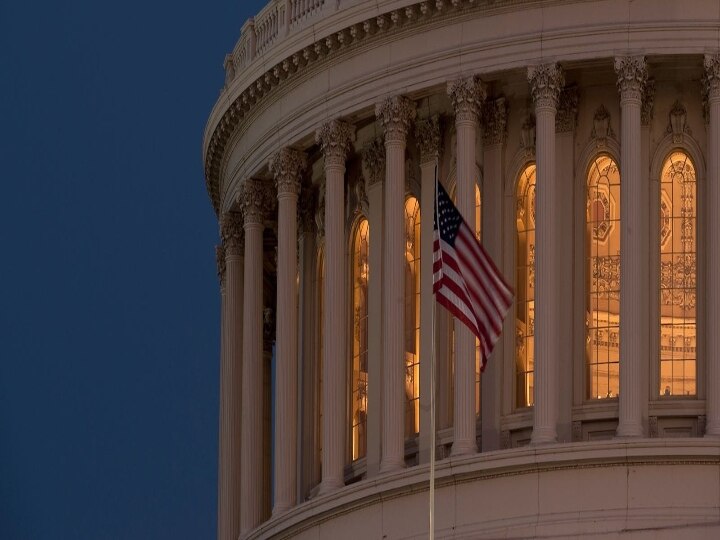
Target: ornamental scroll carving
[[632, 76], [567, 107], [335, 139], [396, 114], [495, 121], [257, 200], [678, 122], [606, 275], [427, 136], [546, 82], [467, 96], [287, 166], [373, 161]]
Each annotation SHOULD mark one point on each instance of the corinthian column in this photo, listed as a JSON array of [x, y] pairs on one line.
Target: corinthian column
[[335, 139], [712, 390], [286, 166], [395, 115], [467, 96], [255, 200], [230, 271], [546, 81], [427, 135], [634, 245]]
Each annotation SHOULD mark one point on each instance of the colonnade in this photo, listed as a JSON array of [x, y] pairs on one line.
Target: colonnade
[[241, 491]]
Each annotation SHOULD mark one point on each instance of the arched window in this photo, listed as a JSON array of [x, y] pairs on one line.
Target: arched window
[[412, 316], [678, 276], [359, 365], [525, 288], [603, 279]]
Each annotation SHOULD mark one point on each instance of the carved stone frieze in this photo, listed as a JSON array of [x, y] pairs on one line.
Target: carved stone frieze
[[395, 114], [566, 118], [232, 233], [373, 161], [256, 199], [648, 103], [427, 136], [546, 82], [632, 75], [335, 139], [287, 166], [467, 96], [495, 114], [220, 261]]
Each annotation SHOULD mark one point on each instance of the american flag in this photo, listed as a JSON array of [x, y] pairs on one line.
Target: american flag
[[465, 279]]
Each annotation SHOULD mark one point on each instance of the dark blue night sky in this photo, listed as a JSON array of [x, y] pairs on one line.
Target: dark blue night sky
[[109, 308]]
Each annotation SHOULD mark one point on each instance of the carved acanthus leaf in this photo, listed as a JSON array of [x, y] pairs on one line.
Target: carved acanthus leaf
[[495, 121], [632, 75], [256, 199], [232, 233], [373, 161], [546, 82], [335, 138], [287, 166], [467, 96], [427, 136], [395, 114]]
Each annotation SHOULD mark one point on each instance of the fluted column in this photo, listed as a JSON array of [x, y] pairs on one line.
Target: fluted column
[[712, 388], [546, 81], [230, 271], [255, 200], [335, 139], [286, 166], [373, 164], [634, 244], [427, 136], [494, 134], [395, 115], [467, 96]]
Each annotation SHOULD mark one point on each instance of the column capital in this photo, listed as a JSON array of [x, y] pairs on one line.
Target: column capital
[[648, 103], [395, 115], [287, 166], [546, 82], [256, 200], [427, 135], [711, 81], [567, 109], [632, 75], [335, 139], [495, 114], [467, 95], [232, 234], [220, 261], [373, 161]]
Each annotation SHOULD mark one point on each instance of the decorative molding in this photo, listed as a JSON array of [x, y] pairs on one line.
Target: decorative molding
[[710, 87], [632, 75], [566, 118], [335, 139], [505, 439], [427, 136], [678, 282], [287, 166], [653, 427], [546, 82], [648, 103], [577, 431], [220, 262], [395, 115], [677, 124], [467, 96], [256, 198], [232, 234], [602, 130], [495, 113], [373, 161], [527, 135]]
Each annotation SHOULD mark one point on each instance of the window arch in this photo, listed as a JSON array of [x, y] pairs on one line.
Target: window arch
[[678, 276], [525, 288], [359, 361], [412, 316], [603, 279]]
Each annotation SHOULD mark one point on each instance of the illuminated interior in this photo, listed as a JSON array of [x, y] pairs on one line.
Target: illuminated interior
[[412, 316], [525, 288], [359, 368], [603, 279], [678, 277]]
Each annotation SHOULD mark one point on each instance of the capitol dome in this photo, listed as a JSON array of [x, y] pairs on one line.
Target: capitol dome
[[581, 141]]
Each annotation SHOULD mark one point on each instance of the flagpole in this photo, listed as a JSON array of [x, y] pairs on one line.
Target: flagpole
[[432, 398]]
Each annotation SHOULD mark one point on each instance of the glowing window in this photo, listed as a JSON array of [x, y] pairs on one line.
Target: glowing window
[[525, 288], [412, 316], [602, 321], [359, 366], [678, 277]]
